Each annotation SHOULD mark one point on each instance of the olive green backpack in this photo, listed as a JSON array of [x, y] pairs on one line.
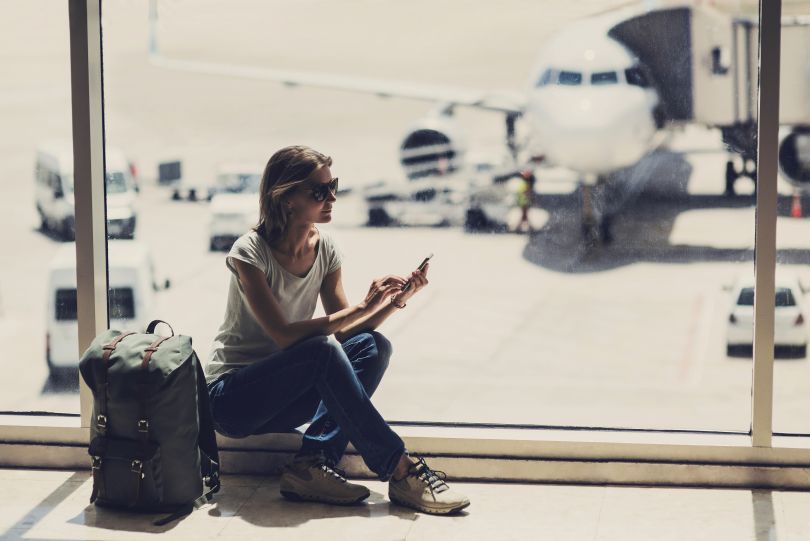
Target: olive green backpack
[[152, 441]]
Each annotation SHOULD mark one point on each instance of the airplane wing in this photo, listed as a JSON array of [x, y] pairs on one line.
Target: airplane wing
[[510, 103]]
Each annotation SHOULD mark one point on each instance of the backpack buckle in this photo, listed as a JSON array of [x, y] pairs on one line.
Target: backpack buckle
[[143, 425], [101, 422], [96, 463], [137, 467]]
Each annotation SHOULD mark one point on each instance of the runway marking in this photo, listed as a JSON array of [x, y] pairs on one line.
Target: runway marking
[[693, 360], [684, 366]]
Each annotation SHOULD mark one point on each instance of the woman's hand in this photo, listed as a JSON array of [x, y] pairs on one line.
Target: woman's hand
[[418, 280], [381, 289]]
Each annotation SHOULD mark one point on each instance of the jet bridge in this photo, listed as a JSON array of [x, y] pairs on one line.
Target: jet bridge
[[704, 65]]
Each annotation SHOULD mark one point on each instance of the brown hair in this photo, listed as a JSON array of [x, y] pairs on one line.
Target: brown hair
[[285, 170]]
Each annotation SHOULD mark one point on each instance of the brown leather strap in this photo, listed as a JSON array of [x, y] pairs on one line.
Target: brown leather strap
[[108, 348], [143, 385], [151, 349], [101, 382]]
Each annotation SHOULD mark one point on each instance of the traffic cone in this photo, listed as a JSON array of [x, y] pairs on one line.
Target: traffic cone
[[796, 206]]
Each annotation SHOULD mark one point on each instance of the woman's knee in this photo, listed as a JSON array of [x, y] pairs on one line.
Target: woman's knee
[[384, 350], [384, 347], [329, 351]]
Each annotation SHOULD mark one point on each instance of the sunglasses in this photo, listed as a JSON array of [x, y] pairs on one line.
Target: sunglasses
[[320, 192]]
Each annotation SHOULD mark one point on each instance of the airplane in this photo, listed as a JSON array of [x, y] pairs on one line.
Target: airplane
[[591, 106]]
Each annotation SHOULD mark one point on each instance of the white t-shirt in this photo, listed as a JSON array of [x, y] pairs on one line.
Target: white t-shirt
[[241, 340]]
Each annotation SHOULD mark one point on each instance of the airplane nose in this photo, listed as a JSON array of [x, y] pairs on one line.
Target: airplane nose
[[596, 132], [585, 105]]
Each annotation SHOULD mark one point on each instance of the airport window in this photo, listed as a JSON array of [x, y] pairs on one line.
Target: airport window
[[542, 279], [554, 314], [604, 78], [560, 334]]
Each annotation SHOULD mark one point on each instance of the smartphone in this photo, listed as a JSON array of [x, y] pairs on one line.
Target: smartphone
[[421, 266]]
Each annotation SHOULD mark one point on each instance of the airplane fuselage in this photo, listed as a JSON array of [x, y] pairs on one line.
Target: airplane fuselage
[[590, 105]]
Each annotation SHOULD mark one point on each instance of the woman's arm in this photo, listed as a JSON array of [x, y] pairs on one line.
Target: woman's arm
[[268, 313], [367, 323], [334, 299]]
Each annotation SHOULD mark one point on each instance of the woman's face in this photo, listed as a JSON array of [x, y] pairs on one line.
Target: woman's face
[[303, 201]]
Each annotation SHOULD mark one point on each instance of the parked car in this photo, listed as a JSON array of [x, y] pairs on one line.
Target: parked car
[[236, 178], [132, 285], [790, 328], [53, 175]]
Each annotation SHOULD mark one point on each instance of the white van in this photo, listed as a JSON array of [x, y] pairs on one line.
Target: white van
[[54, 191], [132, 297], [234, 205]]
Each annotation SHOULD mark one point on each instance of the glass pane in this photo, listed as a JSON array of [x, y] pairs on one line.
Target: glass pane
[[569, 78], [38, 276], [791, 381], [603, 304], [605, 78]]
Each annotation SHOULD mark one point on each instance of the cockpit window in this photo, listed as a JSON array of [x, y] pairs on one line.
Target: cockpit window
[[569, 78], [604, 78], [636, 77], [545, 78]]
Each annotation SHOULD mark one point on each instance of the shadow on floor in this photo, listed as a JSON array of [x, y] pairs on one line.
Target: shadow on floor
[[644, 203]]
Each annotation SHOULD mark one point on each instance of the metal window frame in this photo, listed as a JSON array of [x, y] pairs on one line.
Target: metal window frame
[[87, 95], [581, 456], [770, 21]]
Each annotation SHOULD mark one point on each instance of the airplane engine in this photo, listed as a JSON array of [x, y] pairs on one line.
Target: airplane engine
[[432, 146], [794, 157]]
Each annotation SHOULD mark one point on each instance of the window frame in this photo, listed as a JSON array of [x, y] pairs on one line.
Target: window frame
[[466, 451]]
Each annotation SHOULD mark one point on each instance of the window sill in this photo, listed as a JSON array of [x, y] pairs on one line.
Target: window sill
[[558, 456]]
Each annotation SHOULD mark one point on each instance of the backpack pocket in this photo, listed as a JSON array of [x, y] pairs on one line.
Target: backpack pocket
[[126, 473]]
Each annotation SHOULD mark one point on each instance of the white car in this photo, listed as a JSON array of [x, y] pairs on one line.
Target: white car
[[790, 328]]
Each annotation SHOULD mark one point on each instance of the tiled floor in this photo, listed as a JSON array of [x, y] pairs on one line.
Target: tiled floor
[[53, 505]]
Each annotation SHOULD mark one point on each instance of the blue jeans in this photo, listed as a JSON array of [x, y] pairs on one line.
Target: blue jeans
[[320, 382]]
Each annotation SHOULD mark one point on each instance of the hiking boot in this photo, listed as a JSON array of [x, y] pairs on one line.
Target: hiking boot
[[314, 480], [425, 490]]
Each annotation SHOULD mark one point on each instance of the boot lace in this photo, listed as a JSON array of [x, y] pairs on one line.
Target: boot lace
[[338, 474], [432, 478]]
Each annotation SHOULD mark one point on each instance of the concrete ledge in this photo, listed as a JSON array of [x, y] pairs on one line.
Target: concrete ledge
[[482, 454]]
